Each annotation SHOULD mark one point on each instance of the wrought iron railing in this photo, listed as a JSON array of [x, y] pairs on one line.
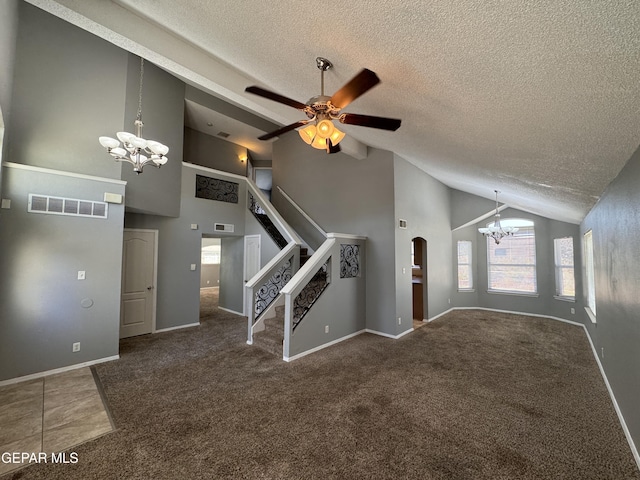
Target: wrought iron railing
[[310, 293], [269, 291], [261, 216]]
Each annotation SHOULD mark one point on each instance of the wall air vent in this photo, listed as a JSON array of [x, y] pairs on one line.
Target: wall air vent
[[66, 206], [223, 227], [402, 224], [224, 134]]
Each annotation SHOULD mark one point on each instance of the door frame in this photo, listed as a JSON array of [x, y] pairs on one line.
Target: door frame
[[244, 267], [154, 301]]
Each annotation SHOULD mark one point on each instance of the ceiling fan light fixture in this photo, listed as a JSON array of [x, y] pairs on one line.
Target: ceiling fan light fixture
[[337, 136], [325, 128], [308, 133], [319, 143]]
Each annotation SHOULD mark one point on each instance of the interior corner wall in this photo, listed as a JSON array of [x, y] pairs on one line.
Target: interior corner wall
[[615, 226], [68, 89], [424, 203], [544, 303], [350, 196], [179, 246], [212, 152], [157, 190], [45, 308]]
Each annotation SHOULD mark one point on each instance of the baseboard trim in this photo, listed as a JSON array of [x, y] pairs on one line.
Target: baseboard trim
[[46, 373], [623, 423], [231, 311], [388, 335], [179, 327], [325, 345], [625, 429], [439, 315]]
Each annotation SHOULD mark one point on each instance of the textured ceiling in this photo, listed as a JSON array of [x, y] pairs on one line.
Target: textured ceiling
[[538, 99]]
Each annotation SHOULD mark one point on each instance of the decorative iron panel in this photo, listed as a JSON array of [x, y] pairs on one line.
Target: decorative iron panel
[[349, 260], [264, 220], [310, 293], [270, 290], [216, 189]]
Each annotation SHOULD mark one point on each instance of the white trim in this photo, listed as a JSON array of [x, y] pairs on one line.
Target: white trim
[[482, 217], [516, 294], [214, 171], [565, 298], [590, 314], [440, 314], [33, 376], [325, 345], [388, 335], [231, 311], [61, 173], [571, 322], [244, 266], [169, 329], [346, 236], [302, 212], [154, 306]]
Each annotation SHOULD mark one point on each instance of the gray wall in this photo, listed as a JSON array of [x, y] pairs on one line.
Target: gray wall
[[212, 152], [180, 246], [155, 191], [210, 276], [69, 89], [40, 294], [351, 196], [615, 223], [231, 274], [8, 33], [423, 202]]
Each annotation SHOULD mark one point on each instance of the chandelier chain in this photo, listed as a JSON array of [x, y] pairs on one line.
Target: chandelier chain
[[139, 116]]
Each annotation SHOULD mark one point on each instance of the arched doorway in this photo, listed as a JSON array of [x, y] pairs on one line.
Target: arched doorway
[[419, 281]]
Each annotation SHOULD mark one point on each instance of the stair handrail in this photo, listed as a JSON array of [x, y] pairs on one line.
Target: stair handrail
[[303, 276], [302, 212], [272, 213]]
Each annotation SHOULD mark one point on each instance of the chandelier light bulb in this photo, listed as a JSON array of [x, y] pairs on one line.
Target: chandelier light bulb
[[325, 128]]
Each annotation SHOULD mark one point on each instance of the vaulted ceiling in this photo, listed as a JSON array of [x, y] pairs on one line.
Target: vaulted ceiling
[[540, 100]]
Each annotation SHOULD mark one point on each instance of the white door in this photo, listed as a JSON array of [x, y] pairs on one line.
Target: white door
[[137, 310], [251, 260]]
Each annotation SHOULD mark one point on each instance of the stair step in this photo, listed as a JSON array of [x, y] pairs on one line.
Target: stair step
[[269, 341], [280, 313]]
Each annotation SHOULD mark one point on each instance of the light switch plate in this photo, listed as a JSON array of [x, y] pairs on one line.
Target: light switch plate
[[6, 203], [193, 267], [81, 274]]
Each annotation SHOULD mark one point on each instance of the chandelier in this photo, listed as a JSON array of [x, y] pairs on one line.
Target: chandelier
[[135, 149], [497, 231]]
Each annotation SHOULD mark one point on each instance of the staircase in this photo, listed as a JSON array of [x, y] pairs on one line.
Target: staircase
[[271, 338]]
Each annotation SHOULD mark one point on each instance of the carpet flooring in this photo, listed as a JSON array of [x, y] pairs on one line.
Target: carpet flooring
[[472, 395]]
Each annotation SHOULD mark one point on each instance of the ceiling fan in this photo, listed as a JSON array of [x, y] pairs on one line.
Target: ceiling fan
[[320, 132]]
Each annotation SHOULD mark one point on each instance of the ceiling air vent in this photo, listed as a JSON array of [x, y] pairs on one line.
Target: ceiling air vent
[[224, 134], [66, 206], [223, 227]]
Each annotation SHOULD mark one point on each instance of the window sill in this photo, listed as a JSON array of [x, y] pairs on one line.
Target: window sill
[[565, 299], [590, 314], [465, 290], [517, 294]]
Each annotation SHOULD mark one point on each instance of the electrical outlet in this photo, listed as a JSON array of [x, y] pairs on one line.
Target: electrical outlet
[[399, 320], [193, 267], [81, 274], [602, 352], [326, 329], [573, 311], [75, 347]]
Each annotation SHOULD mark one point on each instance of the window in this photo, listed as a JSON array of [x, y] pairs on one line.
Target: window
[[465, 277], [565, 280], [591, 276], [511, 264], [210, 255]]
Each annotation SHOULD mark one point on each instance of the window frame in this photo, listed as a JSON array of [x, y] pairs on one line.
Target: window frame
[[523, 224], [559, 268], [468, 264], [590, 276]]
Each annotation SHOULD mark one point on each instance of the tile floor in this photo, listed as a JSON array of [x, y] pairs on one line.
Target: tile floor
[[51, 414]]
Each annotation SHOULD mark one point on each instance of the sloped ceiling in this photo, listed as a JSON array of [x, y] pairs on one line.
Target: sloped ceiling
[[540, 100]]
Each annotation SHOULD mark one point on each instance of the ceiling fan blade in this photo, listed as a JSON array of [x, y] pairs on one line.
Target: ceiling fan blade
[[275, 97], [359, 84], [288, 128], [332, 148], [370, 121]]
